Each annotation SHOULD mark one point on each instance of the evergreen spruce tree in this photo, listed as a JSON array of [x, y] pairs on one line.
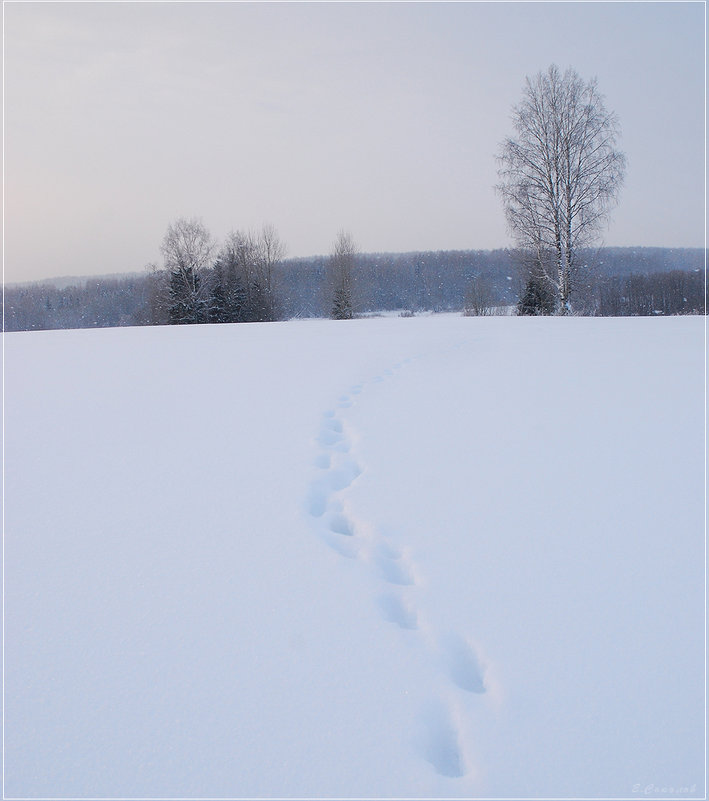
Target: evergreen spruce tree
[[235, 302], [341, 305], [187, 250], [218, 305], [538, 298], [256, 309], [187, 306], [340, 277]]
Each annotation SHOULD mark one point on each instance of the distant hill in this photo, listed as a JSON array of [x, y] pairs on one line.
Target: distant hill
[[66, 281]]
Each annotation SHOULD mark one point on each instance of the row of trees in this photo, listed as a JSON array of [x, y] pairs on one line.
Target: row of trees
[[560, 175], [200, 283], [675, 292], [417, 281], [93, 303], [618, 281]]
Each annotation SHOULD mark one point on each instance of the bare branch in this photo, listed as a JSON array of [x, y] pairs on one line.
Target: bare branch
[[561, 173]]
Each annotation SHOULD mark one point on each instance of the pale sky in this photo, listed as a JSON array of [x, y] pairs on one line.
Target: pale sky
[[380, 118]]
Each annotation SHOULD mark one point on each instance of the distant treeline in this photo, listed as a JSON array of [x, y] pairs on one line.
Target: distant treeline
[[675, 292], [615, 282]]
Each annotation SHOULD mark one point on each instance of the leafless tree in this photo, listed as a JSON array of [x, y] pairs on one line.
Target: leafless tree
[[187, 250], [478, 298], [269, 252], [561, 172], [236, 265], [158, 294], [251, 260], [340, 277]]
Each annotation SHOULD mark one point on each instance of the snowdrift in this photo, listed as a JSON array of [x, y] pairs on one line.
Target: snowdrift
[[428, 557]]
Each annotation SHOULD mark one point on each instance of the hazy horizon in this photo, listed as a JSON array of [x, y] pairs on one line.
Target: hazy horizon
[[380, 118], [60, 280]]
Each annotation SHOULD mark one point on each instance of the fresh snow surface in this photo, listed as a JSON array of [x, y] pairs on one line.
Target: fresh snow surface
[[428, 557]]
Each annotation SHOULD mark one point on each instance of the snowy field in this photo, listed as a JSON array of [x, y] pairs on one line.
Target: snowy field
[[428, 557]]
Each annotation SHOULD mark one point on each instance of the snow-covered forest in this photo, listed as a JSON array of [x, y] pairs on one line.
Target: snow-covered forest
[[618, 282]]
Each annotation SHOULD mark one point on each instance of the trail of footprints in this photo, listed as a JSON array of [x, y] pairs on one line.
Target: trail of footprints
[[337, 468]]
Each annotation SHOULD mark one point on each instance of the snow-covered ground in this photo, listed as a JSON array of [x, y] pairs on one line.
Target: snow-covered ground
[[428, 557]]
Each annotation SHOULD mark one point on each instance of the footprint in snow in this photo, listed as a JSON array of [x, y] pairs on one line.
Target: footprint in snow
[[440, 741], [386, 550], [331, 423], [463, 664], [329, 438], [317, 499], [323, 461], [393, 566], [348, 547], [344, 474], [331, 432], [341, 524], [395, 610], [332, 436], [336, 477]]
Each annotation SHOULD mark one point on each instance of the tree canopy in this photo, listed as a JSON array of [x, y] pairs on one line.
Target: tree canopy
[[560, 173]]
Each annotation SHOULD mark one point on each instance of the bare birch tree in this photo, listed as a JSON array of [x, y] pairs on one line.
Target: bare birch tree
[[187, 250], [236, 265], [269, 252], [560, 174], [250, 260]]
